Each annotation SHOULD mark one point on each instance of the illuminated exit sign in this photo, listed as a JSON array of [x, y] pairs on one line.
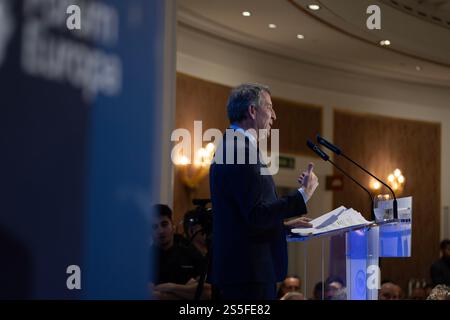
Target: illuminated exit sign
[[287, 162]]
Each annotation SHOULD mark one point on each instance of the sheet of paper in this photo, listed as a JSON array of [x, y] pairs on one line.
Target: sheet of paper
[[339, 218]]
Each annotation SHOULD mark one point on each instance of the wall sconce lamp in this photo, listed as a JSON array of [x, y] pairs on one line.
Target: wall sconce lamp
[[395, 180], [191, 174]]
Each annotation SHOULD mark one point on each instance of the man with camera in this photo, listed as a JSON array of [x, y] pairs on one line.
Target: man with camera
[[250, 250], [179, 265], [194, 231]]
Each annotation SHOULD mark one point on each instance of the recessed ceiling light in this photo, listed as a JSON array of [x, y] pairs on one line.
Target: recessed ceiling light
[[272, 26], [300, 36], [314, 7], [385, 42], [246, 13]]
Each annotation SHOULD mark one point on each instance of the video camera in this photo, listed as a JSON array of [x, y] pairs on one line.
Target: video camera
[[201, 215]]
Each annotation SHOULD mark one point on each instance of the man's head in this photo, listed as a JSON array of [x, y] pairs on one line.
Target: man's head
[[389, 291], [163, 228], [250, 107], [290, 284], [445, 249], [334, 287]]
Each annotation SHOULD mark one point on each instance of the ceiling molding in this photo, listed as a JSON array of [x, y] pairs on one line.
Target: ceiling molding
[[424, 9], [356, 37]]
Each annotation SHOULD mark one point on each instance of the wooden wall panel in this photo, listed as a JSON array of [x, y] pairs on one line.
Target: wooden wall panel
[[198, 99], [383, 144], [296, 122]]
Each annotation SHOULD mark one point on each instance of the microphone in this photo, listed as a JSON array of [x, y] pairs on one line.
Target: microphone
[[317, 150], [325, 157], [339, 152], [328, 145]]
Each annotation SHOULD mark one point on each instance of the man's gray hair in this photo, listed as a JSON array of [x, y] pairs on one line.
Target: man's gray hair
[[242, 97]]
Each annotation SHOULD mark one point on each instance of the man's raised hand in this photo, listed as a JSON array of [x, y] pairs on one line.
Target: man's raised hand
[[309, 181]]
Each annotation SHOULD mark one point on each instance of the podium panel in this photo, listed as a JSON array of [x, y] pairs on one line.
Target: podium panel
[[352, 255], [362, 265]]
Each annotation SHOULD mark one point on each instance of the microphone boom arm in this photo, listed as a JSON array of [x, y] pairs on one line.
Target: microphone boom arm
[[325, 157], [338, 151], [359, 184], [395, 205]]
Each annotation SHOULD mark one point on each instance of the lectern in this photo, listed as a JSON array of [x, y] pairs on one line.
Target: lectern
[[356, 260]]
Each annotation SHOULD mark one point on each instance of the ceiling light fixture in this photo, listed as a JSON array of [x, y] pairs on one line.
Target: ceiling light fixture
[[314, 7], [385, 42], [300, 36], [246, 13], [418, 68], [272, 26]]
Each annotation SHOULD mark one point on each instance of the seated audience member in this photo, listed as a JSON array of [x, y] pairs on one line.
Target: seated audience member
[[440, 270], [335, 289], [178, 266], [289, 284], [389, 291], [440, 292]]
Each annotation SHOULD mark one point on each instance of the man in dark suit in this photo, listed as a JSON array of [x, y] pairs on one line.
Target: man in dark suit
[[249, 240]]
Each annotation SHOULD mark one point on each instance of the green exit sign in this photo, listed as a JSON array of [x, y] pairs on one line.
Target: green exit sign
[[287, 162]]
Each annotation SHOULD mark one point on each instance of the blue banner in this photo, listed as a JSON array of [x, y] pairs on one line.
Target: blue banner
[[80, 97]]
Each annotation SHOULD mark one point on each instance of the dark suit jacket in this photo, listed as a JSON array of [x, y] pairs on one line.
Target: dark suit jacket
[[249, 240]]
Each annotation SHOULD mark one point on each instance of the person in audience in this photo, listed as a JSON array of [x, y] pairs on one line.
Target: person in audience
[[440, 269], [179, 266], [440, 292], [290, 284], [335, 289], [389, 291]]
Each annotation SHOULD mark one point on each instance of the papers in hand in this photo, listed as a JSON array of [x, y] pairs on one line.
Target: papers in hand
[[337, 219]]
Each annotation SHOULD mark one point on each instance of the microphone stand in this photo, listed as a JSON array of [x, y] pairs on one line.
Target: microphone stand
[[395, 205], [325, 157], [338, 151]]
